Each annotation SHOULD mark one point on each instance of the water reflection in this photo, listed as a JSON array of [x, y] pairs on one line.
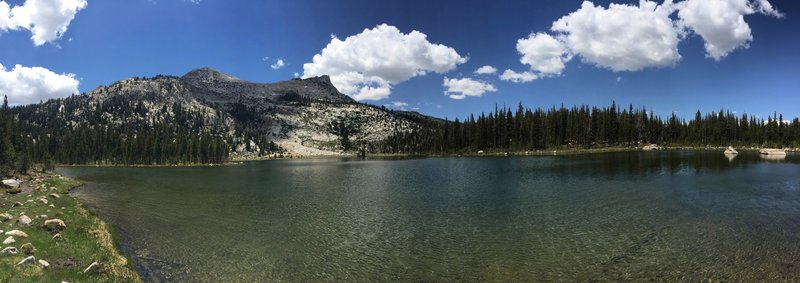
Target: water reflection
[[773, 157], [730, 156]]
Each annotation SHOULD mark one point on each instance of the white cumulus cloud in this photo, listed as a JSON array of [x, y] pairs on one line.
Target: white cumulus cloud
[[47, 20], [721, 22], [486, 70], [278, 64], [26, 85], [622, 37], [366, 65], [544, 54], [522, 77], [629, 37], [461, 88]]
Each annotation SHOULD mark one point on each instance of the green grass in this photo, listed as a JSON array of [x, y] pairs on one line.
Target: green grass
[[86, 238]]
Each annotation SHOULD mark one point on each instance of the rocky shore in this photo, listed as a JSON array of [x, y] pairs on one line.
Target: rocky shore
[[48, 236]]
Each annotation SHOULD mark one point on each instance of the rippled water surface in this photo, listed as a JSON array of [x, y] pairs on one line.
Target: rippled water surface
[[662, 216]]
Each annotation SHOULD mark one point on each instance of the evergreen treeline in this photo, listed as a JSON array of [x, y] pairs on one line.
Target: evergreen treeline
[[47, 134], [525, 129]]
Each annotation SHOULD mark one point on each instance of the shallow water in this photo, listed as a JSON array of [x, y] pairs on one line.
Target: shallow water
[[662, 216]]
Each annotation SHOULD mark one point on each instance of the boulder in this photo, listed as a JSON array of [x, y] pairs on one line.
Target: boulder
[[29, 259], [9, 251], [55, 195], [772, 151], [24, 220], [43, 200], [9, 240], [730, 150], [17, 233], [651, 147], [6, 217], [44, 263], [54, 225], [27, 249], [56, 236], [17, 204], [11, 183]]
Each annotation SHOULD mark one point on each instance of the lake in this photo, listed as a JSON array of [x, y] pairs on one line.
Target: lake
[[665, 216]]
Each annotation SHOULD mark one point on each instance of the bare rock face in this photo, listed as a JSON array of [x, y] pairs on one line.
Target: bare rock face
[[211, 84]]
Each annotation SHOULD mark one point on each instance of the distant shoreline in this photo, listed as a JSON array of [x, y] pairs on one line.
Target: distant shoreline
[[488, 153]]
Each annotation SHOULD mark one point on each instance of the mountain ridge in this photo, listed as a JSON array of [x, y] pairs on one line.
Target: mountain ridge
[[298, 117]]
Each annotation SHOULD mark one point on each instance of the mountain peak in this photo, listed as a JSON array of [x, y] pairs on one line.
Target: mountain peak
[[208, 74]]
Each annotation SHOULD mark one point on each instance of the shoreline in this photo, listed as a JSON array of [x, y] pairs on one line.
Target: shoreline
[[490, 153], [79, 247]]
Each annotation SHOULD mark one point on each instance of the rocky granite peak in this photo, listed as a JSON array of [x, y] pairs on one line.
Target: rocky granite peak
[[302, 116]]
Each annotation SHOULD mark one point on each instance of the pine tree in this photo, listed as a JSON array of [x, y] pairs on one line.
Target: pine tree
[[8, 157]]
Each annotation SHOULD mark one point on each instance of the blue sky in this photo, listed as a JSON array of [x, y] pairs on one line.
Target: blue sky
[[107, 41]]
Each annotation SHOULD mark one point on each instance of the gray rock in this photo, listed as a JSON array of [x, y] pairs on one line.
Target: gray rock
[[11, 183], [29, 259], [6, 217], [27, 249], [17, 233], [91, 267], [55, 225], [9, 251], [24, 220]]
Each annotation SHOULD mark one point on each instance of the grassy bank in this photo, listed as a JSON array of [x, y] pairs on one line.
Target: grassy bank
[[62, 253]]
